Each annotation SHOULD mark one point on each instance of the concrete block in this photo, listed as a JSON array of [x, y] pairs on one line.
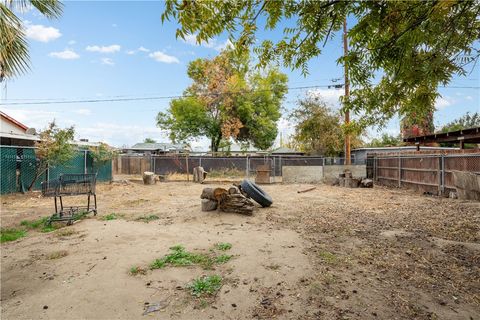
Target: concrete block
[[302, 174]]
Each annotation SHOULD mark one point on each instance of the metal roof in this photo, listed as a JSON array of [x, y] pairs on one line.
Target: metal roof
[[471, 135], [157, 146]]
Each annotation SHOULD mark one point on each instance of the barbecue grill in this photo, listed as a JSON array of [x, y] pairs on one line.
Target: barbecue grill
[[71, 185]]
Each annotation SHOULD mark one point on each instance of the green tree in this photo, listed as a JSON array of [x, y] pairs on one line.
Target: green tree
[[227, 100], [464, 122], [14, 57], [400, 51], [318, 129], [54, 148], [386, 140], [149, 140], [102, 154]]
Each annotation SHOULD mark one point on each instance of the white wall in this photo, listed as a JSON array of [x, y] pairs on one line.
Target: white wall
[[7, 126]]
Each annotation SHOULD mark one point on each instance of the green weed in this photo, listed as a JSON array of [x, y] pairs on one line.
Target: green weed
[[223, 258], [111, 216], [179, 257], [137, 270], [328, 257], [224, 246], [207, 285], [34, 224], [11, 234]]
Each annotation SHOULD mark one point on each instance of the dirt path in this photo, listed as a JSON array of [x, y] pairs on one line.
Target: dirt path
[[330, 253]]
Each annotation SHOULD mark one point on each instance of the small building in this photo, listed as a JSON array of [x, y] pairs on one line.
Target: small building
[[460, 137], [156, 148], [284, 151], [15, 133], [360, 154]]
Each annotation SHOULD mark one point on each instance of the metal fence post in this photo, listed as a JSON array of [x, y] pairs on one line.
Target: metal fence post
[[85, 161]]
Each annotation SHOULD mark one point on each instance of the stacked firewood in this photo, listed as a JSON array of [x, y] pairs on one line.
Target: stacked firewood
[[231, 200]]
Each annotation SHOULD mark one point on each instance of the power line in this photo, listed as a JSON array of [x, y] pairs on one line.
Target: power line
[[132, 98]]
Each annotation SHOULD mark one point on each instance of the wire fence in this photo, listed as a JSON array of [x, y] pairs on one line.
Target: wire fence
[[427, 172], [241, 166], [18, 168]]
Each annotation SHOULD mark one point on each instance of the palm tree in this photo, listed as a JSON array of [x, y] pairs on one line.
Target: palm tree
[[14, 58]]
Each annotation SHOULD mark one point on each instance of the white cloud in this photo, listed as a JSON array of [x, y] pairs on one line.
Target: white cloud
[[443, 102], [469, 98], [330, 96], [104, 49], [107, 61], [66, 54], [224, 45], [191, 39], [41, 33], [163, 57], [83, 112], [114, 25], [32, 118], [140, 49], [72, 42]]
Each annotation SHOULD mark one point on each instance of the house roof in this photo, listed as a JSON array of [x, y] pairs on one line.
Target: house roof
[[285, 150], [470, 135], [401, 148], [157, 146], [13, 121], [19, 136]]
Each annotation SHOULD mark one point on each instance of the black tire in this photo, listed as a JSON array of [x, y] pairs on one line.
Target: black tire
[[256, 193]]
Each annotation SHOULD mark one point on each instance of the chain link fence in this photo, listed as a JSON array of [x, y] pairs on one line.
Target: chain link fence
[[228, 167], [18, 168]]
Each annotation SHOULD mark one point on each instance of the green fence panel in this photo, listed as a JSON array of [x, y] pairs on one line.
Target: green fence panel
[[8, 170], [75, 165], [23, 160]]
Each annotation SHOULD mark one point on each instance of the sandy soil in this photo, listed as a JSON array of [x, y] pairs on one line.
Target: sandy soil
[[331, 253]]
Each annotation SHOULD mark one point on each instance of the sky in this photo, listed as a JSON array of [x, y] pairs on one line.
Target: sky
[[120, 49]]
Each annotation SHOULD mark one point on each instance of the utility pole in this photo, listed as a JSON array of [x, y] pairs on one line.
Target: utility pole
[[347, 92]]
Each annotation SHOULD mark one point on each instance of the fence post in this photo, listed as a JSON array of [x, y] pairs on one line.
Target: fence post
[[443, 173], [85, 161], [440, 174], [375, 165], [399, 171], [247, 168]]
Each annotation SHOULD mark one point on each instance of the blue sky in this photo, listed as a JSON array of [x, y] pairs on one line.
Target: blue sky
[[100, 50]]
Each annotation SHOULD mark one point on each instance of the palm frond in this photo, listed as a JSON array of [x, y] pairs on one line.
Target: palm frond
[[14, 57]]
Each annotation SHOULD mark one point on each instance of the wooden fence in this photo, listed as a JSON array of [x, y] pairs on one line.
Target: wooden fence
[[422, 172]]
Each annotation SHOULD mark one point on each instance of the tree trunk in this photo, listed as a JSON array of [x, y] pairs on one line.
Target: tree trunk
[[37, 175], [148, 178]]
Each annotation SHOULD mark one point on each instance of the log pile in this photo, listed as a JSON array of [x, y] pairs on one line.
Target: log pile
[[231, 200]]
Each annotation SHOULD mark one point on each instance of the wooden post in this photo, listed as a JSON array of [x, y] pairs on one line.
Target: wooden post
[[188, 173]]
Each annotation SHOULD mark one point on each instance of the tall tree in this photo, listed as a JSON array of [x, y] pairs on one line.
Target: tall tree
[[14, 57], [464, 122], [400, 51], [227, 100], [149, 140], [386, 140], [318, 129]]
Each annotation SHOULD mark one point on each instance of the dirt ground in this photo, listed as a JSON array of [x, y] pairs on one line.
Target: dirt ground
[[331, 253]]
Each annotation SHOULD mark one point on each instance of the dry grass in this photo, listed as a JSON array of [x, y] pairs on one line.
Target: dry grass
[[57, 254]]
